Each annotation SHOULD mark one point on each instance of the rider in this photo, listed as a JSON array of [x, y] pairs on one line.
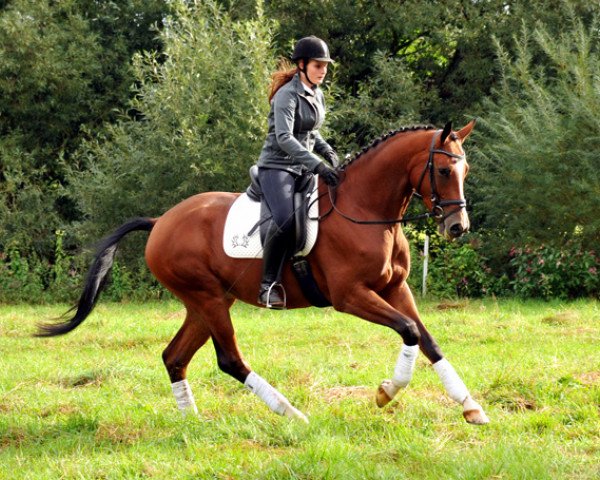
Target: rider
[[297, 112]]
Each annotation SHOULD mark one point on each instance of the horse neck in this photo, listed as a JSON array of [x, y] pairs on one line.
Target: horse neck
[[379, 181]]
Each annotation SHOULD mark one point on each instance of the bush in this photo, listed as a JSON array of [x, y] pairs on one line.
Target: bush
[[455, 268], [461, 269], [550, 272], [31, 279], [536, 177]]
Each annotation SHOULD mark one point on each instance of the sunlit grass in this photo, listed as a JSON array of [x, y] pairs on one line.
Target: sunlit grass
[[97, 403]]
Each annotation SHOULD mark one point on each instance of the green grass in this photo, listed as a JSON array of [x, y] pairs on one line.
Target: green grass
[[97, 404]]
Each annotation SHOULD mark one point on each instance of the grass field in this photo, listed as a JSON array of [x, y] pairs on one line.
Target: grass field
[[97, 403]]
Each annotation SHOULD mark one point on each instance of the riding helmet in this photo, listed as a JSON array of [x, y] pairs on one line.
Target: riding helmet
[[313, 48]]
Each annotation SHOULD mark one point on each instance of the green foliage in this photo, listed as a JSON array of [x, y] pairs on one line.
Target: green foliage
[[462, 269], [200, 122], [357, 120], [455, 269], [116, 109], [27, 278], [549, 272], [537, 172], [459, 270], [21, 279], [64, 65]]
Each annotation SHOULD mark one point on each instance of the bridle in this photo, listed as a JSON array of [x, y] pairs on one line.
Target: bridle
[[437, 204], [437, 209]]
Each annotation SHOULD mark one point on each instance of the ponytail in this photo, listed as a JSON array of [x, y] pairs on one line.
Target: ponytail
[[283, 75]]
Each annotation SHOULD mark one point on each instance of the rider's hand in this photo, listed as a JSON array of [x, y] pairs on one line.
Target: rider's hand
[[332, 158], [328, 174]]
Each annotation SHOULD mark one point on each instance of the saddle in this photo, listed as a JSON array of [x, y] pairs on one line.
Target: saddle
[[305, 230], [304, 188]]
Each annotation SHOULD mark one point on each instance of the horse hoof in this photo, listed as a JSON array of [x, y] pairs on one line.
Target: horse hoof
[[473, 413], [476, 417], [295, 414], [382, 397]]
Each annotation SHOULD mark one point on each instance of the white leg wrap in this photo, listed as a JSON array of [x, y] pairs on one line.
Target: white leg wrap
[[454, 385], [405, 365], [403, 372], [184, 397], [274, 400]]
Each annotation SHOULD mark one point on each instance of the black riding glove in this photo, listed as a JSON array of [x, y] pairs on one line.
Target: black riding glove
[[332, 158], [328, 174]]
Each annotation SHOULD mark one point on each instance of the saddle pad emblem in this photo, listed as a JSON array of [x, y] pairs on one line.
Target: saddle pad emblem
[[243, 216]]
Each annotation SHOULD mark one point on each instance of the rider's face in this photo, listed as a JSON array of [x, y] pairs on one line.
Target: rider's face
[[316, 71]]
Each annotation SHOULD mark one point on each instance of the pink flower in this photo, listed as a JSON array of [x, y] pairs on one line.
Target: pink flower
[[592, 270]]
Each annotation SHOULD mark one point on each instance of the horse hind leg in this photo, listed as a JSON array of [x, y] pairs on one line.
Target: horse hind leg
[[230, 361], [177, 356]]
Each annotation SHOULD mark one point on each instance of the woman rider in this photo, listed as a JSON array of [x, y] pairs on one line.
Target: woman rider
[[297, 112]]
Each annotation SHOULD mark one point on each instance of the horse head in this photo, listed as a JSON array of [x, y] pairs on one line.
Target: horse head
[[440, 182]]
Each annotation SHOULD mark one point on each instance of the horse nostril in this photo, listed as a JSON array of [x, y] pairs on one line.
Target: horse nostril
[[456, 229]]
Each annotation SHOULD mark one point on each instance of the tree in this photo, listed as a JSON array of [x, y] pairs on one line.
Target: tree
[[65, 69], [538, 167], [202, 109]]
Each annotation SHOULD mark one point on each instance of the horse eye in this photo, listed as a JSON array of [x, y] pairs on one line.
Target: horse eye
[[444, 172]]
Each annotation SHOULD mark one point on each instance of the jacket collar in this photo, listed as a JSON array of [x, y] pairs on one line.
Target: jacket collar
[[301, 88]]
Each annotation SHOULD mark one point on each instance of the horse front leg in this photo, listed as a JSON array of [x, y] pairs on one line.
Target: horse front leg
[[402, 299], [369, 305]]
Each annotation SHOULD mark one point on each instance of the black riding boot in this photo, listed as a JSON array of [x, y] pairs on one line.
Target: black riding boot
[[272, 293]]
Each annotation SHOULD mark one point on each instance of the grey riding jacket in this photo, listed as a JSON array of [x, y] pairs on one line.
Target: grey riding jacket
[[295, 117]]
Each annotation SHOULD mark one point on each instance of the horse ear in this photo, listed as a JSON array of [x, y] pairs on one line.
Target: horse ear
[[446, 132], [464, 132]]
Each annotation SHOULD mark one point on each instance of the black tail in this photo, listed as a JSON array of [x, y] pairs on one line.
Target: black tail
[[96, 278]]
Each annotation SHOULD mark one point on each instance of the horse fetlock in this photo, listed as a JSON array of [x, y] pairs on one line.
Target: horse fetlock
[[271, 396], [295, 414], [473, 412], [184, 398]]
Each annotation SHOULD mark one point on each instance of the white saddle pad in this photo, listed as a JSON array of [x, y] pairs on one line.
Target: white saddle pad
[[243, 216]]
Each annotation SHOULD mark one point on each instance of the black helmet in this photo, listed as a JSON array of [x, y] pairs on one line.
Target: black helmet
[[313, 48]]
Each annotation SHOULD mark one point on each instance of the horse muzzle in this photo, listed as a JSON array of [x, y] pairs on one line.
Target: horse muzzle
[[454, 225]]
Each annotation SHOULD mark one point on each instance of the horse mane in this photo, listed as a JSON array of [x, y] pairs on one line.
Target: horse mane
[[382, 138]]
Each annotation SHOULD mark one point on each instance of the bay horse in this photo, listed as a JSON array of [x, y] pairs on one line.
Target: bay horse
[[360, 263]]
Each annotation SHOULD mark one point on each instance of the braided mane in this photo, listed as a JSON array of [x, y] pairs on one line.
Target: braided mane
[[382, 138]]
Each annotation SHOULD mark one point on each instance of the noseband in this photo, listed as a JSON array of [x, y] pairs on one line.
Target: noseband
[[437, 204]]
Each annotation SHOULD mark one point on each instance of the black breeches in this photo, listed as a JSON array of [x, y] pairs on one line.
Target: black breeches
[[278, 189]]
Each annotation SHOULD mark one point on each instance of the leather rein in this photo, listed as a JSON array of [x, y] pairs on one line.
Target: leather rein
[[437, 209]]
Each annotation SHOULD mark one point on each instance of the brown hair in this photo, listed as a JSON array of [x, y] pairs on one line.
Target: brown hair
[[283, 75]]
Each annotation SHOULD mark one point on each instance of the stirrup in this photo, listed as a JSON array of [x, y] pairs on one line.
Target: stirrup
[[268, 303]]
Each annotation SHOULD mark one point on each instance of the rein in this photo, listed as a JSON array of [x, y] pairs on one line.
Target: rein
[[437, 210]]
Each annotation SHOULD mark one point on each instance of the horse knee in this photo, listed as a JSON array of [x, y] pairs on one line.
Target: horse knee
[[410, 333]]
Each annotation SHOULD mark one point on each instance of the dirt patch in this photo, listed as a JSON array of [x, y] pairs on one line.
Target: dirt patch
[[339, 393], [566, 317], [453, 305], [589, 378], [84, 380]]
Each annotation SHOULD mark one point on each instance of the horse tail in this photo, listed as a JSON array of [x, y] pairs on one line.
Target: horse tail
[[96, 278]]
